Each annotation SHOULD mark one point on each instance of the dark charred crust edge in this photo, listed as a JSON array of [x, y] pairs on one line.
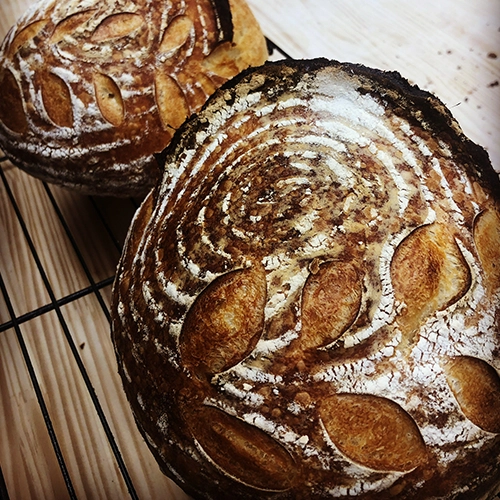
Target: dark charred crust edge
[[409, 101], [224, 20], [422, 101], [405, 99]]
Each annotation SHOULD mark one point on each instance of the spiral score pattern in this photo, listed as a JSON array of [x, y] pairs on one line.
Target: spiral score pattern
[[306, 305]]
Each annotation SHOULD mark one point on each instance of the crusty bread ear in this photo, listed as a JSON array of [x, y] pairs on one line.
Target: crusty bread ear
[[308, 305], [90, 93]]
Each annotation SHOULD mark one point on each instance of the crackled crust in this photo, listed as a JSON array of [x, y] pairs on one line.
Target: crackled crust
[[92, 90], [308, 305]]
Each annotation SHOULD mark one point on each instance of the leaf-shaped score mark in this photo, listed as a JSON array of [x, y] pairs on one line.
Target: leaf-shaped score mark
[[109, 99], [56, 99], [225, 322], [172, 105], [12, 112], [243, 451], [331, 299], [487, 238], [176, 34], [373, 431], [223, 60], [25, 35], [476, 386], [116, 26], [70, 24], [429, 273]]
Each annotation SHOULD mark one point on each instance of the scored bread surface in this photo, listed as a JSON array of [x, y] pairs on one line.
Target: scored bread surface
[[308, 305], [91, 90]]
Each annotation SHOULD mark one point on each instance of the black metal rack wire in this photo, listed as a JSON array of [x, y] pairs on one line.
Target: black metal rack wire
[[114, 228], [55, 305]]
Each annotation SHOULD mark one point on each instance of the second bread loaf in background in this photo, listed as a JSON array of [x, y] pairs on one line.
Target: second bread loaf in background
[[91, 91]]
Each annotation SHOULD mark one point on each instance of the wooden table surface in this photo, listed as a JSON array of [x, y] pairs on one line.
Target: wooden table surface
[[65, 427]]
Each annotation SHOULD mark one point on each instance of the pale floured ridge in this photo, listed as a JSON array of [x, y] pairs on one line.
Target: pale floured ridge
[[315, 252]]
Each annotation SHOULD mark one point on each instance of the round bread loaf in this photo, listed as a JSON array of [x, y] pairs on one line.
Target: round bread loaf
[[308, 305], [92, 90]]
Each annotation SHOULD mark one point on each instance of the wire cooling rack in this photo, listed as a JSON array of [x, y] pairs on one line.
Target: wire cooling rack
[[11, 184], [66, 429]]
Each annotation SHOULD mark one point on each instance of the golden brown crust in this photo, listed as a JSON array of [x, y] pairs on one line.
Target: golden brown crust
[[308, 305], [429, 273], [374, 420], [91, 93], [476, 387]]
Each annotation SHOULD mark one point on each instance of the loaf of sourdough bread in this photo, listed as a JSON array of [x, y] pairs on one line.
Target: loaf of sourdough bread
[[308, 305], [92, 90]]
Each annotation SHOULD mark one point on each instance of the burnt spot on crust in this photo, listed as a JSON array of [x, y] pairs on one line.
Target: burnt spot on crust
[[224, 20]]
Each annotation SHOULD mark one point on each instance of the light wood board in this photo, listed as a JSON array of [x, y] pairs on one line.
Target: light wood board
[[58, 250]]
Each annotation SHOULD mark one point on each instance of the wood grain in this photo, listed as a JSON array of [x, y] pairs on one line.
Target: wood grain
[[451, 48], [27, 458], [23, 281]]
